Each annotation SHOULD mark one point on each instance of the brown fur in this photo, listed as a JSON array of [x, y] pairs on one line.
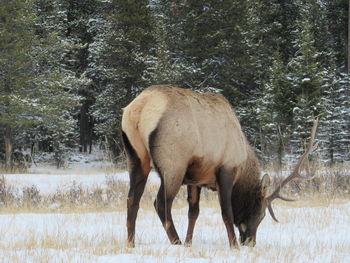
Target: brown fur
[[189, 138], [247, 191], [167, 108], [249, 199]]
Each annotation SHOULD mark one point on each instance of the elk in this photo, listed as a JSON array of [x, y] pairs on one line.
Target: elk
[[195, 139]]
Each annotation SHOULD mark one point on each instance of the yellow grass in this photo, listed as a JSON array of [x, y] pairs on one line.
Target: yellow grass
[[78, 246], [311, 212]]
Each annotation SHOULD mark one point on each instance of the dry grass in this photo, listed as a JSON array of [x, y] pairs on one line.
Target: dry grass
[[76, 197], [300, 237], [330, 186], [89, 225]]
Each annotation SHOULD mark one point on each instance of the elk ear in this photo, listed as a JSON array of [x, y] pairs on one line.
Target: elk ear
[[265, 184]]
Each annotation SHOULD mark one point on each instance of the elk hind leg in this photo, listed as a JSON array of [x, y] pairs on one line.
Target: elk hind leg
[[171, 172], [193, 195], [163, 204], [138, 179]]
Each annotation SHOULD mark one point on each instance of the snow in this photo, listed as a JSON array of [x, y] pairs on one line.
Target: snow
[[315, 233], [304, 235], [305, 80], [49, 183]]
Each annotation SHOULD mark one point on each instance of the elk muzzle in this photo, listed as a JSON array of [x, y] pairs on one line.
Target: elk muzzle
[[248, 241], [246, 237]]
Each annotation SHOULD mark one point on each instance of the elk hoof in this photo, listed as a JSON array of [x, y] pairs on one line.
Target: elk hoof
[[234, 246], [131, 244], [188, 244], [176, 242]]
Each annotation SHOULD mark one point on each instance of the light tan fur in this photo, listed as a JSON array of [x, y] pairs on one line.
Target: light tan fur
[[140, 118], [198, 133]]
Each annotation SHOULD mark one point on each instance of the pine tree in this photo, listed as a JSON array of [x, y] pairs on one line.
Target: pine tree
[[266, 116], [269, 29], [16, 69], [128, 61], [54, 122], [268, 36], [279, 95], [212, 45], [169, 63], [334, 130], [306, 77], [80, 15], [39, 96], [336, 17]]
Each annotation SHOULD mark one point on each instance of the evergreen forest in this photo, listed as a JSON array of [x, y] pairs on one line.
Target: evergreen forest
[[68, 67]]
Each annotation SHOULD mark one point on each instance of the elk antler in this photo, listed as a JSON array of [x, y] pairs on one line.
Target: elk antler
[[296, 171]]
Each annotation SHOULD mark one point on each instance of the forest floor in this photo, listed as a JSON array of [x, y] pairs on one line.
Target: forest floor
[[79, 215]]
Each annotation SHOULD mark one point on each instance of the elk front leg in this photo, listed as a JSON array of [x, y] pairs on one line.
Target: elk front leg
[[193, 195], [225, 184]]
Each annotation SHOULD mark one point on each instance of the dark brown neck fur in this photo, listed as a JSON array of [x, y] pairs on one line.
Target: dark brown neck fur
[[246, 193]]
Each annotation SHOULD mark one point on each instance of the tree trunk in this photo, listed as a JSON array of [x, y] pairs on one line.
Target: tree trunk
[[280, 149], [91, 127], [8, 146], [86, 127], [83, 127], [280, 154], [348, 38], [262, 145]]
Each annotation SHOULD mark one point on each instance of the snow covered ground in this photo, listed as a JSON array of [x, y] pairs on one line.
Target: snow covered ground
[[313, 233]]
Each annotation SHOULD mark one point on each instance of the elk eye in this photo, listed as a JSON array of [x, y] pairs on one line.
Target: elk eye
[[243, 227]]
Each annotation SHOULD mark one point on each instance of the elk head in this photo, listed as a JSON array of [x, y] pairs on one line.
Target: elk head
[[248, 221], [249, 224]]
